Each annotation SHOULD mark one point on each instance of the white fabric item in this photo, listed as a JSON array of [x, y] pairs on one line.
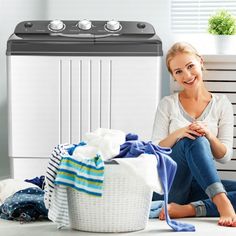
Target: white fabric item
[[143, 168], [219, 120], [10, 186], [107, 141], [85, 152]]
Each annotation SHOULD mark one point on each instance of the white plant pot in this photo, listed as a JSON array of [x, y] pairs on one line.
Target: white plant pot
[[225, 44]]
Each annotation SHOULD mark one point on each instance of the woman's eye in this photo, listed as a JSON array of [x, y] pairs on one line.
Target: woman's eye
[[178, 72], [190, 66]]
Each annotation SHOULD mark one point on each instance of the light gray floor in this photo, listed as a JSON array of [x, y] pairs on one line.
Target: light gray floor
[[204, 226]]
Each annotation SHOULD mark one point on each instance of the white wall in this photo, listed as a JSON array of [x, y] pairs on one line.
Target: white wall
[[155, 12]]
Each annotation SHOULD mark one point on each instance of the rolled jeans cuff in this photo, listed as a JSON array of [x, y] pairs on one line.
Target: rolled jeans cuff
[[214, 189], [200, 208]]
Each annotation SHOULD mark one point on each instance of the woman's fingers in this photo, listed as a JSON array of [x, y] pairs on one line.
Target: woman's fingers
[[194, 126], [198, 128], [188, 133], [194, 132], [201, 131], [190, 136]]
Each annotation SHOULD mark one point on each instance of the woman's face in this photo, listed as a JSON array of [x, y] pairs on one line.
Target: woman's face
[[187, 70]]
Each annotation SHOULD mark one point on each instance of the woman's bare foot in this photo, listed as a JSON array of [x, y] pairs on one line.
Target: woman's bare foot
[[223, 204], [178, 211], [225, 209]]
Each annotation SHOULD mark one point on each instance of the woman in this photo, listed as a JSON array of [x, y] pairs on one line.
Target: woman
[[198, 126]]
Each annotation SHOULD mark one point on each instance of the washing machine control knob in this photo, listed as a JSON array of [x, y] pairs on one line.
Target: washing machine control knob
[[84, 24], [113, 25], [56, 25]]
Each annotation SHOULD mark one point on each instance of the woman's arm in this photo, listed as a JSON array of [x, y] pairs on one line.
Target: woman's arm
[[218, 149]]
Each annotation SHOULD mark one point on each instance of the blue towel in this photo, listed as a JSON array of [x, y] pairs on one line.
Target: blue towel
[[166, 168]]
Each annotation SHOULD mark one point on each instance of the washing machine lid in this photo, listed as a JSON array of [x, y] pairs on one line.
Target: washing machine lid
[[84, 38]]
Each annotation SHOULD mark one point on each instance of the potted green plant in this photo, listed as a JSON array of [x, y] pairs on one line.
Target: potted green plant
[[223, 25]]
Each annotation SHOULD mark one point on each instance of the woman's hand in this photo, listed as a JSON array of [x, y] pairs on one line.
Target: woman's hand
[[201, 128], [187, 132], [191, 131]]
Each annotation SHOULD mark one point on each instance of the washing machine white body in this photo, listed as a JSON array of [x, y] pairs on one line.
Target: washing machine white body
[[57, 99]]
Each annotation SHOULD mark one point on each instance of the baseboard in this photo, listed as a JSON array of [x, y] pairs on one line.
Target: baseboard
[[4, 177]]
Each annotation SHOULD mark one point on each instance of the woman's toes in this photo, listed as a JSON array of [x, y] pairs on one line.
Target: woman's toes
[[234, 224], [162, 215], [227, 221]]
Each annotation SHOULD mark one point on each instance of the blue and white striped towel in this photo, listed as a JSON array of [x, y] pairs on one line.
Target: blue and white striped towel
[[84, 175]]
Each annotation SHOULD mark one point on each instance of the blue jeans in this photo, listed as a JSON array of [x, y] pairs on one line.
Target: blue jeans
[[197, 180]]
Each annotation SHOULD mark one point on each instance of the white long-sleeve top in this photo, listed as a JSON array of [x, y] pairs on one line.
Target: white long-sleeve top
[[219, 119]]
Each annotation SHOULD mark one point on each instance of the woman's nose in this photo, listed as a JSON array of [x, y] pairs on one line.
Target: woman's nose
[[187, 73]]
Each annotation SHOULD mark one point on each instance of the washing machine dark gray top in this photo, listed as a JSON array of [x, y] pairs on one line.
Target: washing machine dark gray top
[[84, 38]]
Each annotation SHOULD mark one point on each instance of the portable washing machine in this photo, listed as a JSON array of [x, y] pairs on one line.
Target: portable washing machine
[[66, 78]]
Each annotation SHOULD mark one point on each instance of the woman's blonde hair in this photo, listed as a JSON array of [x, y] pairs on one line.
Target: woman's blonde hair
[[179, 48]]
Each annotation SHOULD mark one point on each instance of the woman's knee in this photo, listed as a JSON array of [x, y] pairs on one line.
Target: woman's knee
[[199, 145], [200, 148], [201, 142], [186, 143]]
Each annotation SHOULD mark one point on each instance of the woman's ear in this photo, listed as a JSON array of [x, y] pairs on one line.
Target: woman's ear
[[201, 60], [202, 63]]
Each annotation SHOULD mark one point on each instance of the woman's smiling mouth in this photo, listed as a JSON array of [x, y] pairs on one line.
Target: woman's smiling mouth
[[190, 81]]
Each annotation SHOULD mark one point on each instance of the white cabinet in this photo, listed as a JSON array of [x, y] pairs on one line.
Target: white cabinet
[[56, 100], [220, 77]]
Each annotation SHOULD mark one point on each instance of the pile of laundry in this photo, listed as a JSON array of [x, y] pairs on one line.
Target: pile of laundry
[[22, 200], [81, 166]]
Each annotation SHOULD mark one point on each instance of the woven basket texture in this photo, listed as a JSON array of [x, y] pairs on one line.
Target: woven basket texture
[[123, 207]]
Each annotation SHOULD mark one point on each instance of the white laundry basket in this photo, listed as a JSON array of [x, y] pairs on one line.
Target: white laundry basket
[[124, 205]]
